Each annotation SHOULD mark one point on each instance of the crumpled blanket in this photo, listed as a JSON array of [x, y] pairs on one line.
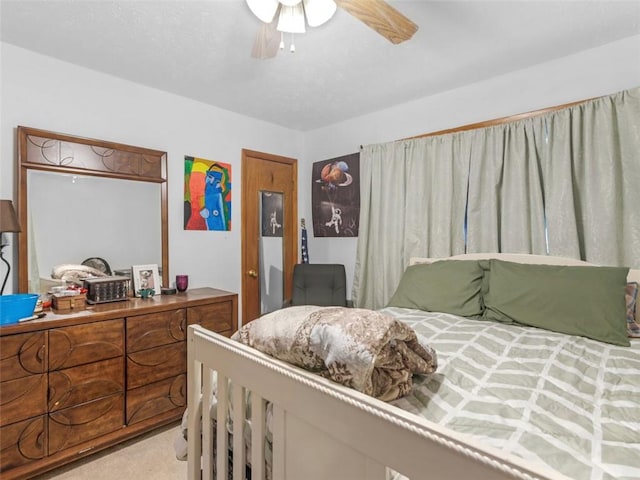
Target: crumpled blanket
[[363, 349]]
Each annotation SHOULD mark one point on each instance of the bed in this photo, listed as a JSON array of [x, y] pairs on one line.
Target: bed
[[506, 401]]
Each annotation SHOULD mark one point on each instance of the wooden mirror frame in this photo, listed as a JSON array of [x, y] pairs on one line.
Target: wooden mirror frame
[[90, 157]]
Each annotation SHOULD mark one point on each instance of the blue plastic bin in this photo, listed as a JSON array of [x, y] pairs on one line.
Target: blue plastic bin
[[16, 306]]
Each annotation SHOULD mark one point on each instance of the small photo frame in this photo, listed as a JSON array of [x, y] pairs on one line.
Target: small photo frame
[[145, 277]]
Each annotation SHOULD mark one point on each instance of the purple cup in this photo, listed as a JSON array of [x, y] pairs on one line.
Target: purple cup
[[182, 282]]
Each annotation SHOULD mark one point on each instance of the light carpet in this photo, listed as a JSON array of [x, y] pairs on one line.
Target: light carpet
[[150, 456]]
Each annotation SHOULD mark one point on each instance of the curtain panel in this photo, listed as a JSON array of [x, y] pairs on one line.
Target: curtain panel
[[591, 173], [412, 204], [565, 183], [505, 205]]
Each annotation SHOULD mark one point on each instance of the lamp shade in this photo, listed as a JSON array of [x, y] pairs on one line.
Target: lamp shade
[[8, 217]]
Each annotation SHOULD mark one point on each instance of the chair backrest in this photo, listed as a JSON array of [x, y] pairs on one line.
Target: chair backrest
[[321, 284]]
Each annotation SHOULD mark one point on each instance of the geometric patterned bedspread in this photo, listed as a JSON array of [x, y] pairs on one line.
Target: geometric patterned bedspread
[[569, 403]]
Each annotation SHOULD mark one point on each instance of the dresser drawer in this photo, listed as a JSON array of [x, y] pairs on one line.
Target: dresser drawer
[[80, 344], [23, 355], [80, 423], [217, 317], [155, 364], [21, 443], [23, 398], [156, 398], [155, 329], [84, 383]]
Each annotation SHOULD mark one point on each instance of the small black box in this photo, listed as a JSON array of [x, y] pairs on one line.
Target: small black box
[[107, 289]]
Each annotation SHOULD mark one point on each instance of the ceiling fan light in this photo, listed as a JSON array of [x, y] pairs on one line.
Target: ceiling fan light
[[318, 11], [291, 19], [290, 3], [265, 10]]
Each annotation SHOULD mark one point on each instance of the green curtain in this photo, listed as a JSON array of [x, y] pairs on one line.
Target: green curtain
[[505, 205], [566, 183], [412, 203], [591, 173]]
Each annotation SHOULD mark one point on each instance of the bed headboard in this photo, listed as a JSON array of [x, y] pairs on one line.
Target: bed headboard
[[633, 276]]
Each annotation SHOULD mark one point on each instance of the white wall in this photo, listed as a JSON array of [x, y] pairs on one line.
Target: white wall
[[41, 92], [599, 71]]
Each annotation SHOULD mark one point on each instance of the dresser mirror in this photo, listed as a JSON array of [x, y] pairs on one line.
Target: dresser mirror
[[83, 198]]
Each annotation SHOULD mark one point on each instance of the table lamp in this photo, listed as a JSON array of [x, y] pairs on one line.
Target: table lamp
[[8, 223]]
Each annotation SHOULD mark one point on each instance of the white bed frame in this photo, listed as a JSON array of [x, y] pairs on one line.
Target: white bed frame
[[322, 430]]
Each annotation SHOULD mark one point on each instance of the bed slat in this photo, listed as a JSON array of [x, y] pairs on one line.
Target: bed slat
[[194, 419], [278, 442], [239, 409], [258, 405], [222, 441], [207, 396]]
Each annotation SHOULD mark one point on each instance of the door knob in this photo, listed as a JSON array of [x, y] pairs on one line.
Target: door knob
[[253, 273]]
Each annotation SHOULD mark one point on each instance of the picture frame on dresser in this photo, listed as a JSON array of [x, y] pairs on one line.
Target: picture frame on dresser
[[146, 277]]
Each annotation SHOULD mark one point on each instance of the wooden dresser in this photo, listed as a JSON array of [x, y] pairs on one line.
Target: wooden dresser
[[74, 383]]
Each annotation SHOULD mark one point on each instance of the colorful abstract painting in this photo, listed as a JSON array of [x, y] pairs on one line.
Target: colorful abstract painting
[[207, 194]]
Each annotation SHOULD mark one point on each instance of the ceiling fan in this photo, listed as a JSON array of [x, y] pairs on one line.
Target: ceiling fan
[[288, 16]]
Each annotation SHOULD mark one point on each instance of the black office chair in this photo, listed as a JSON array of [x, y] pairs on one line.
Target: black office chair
[[321, 284]]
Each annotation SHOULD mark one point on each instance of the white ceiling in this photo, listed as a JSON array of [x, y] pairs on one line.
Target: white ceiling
[[201, 49]]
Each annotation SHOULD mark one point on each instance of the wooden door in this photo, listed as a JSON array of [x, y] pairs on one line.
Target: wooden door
[[263, 172]]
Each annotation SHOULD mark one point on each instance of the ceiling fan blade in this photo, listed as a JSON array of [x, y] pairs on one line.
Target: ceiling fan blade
[[267, 41], [382, 17]]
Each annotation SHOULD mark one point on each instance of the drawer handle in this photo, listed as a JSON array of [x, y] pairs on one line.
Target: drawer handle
[[41, 352], [63, 397]]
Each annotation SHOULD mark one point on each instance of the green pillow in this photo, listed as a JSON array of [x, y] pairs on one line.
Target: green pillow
[[451, 286], [577, 300]]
